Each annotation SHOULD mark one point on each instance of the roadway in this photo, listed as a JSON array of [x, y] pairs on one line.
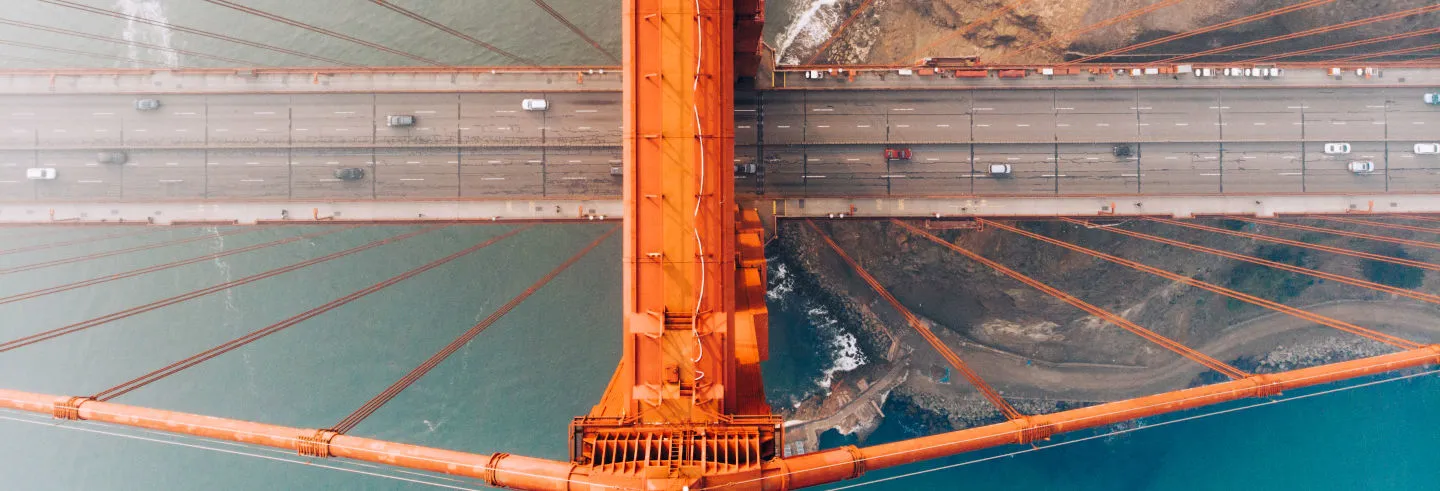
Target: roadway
[[817, 143]]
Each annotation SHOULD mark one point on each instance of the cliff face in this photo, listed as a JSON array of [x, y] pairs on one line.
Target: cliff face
[[897, 31], [1045, 355]]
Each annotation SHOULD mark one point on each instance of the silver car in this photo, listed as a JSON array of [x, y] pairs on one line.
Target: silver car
[[399, 120], [147, 104]]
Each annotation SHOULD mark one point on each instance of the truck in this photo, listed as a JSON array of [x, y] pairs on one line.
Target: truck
[[1432, 98]]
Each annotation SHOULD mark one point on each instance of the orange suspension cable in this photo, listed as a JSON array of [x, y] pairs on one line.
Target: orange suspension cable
[[1202, 30], [1295, 243], [1351, 44], [985, 389], [988, 18], [369, 408], [1346, 233], [864, 6], [1393, 52], [319, 30], [1244, 297], [127, 250], [1394, 226], [1305, 33], [451, 31], [1424, 297], [1069, 35], [1123, 323]]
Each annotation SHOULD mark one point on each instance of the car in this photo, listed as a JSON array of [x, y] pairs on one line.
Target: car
[[147, 104], [395, 120], [1432, 98], [40, 173], [1204, 72], [814, 74], [1123, 150], [744, 169], [617, 171], [1337, 148], [897, 154], [110, 157], [999, 169], [1249, 72], [1361, 167], [350, 174], [1427, 148], [534, 104]]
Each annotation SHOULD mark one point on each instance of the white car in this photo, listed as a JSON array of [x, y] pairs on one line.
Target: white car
[[1427, 148], [534, 104], [999, 169], [1362, 167], [40, 173], [1337, 148]]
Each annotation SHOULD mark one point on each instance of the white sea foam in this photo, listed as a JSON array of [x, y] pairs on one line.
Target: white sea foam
[[809, 28], [144, 33]]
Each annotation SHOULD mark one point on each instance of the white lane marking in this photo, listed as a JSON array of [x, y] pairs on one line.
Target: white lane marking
[[92, 164], [424, 112], [342, 129], [185, 114], [823, 126], [336, 112], [412, 161], [1288, 157], [327, 163], [813, 159], [140, 130], [492, 179], [1062, 124], [1070, 108], [172, 164], [586, 111], [983, 125], [1376, 107], [171, 181], [1413, 122], [903, 109], [746, 126], [862, 126], [852, 160], [1022, 125], [262, 130], [411, 179], [1092, 158], [783, 126], [823, 109], [534, 161], [942, 126], [902, 126], [575, 178], [574, 161], [1143, 124], [1210, 174], [505, 111], [582, 127], [252, 180], [1337, 122], [181, 130], [812, 177], [101, 130], [984, 109], [1053, 175], [1129, 175], [328, 180], [493, 161], [893, 176], [1142, 108], [302, 129], [263, 113], [22, 114], [1012, 158], [90, 181], [1182, 124], [931, 159], [8, 182], [102, 114], [1259, 124], [1096, 124], [1291, 173], [1172, 158], [465, 129]]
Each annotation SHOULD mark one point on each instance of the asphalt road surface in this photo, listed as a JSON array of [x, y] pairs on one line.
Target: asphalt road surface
[[822, 143]]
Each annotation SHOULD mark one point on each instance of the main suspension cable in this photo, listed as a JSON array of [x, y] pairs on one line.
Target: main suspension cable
[[451, 31], [292, 22]]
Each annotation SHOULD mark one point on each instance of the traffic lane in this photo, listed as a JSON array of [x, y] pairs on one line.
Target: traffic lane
[[437, 119], [583, 119], [248, 120], [1358, 99], [933, 170], [330, 119], [930, 128], [1013, 102], [1032, 169], [13, 184], [87, 132], [1263, 168], [785, 103], [180, 121], [1257, 126], [313, 173], [747, 126], [1171, 127], [418, 173], [1421, 126], [1184, 101], [1271, 101], [1096, 102], [1179, 168], [1094, 169], [1408, 100], [909, 102], [497, 119], [784, 129], [1089, 128], [161, 174], [260, 173], [582, 172], [488, 172], [784, 168], [999, 128], [78, 176], [835, 170], [1345, 126], [849, 128], [1330, 172], [1410, 172], [845, 103]]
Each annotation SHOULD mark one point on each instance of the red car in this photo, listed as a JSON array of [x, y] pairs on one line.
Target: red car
[[897, 154]]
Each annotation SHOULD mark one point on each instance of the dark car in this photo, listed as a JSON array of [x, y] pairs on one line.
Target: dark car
[[1124, 150], [110, 157], [350, 174]]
